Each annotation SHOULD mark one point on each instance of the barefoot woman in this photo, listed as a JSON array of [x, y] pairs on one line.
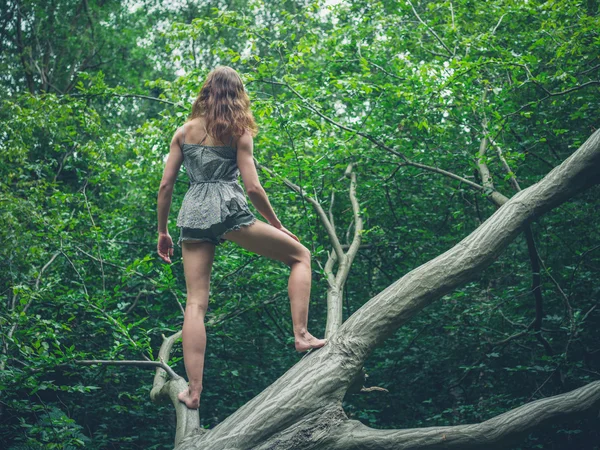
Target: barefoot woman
[[216, 145]]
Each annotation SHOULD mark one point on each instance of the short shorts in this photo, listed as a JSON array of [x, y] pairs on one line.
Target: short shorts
[[215, 232]]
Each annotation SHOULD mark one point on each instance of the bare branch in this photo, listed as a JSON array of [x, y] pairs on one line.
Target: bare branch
[[498, 24], [164, 354], [217, 320], [329, 269], [509, 172], [496, 197], [534, 258], [447, 174], [565, 297], [379, 67], [484, 172], [188, 421], [373, 389], [358, 222], [331, 207], [307, 105], [502, 429]]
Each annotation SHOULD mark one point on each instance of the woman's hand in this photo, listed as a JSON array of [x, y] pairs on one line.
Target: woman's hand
[[165, 246], [288, 232]]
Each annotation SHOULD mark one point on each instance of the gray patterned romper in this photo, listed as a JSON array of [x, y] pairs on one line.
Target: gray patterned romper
[[215, 203]]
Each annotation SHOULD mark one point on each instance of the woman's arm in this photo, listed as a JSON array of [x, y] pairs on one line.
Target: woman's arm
[[165, 195], [255, 191]]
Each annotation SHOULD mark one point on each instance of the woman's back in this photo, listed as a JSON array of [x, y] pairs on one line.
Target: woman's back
[[205, 162], [195, 131], [214, 192]]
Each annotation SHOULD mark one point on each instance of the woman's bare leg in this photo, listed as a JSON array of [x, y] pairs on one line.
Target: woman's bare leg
[[266, 240], [198, 258]]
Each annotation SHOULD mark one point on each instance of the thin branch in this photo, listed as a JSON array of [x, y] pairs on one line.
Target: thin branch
[[534, 258], [450, 53], [87, 204], [332, 258], [378, 66], [498, 24], [333, 122], [76, 271], [488, 185], [591, 69], [331, 207], [135, 302], [484, 171], [551, 94], [112, 94], [513, 336], [178, 302], [214, 320], [568, 306], [124, 269], [581, 259], [161, 364], [24, 310], [358, 222], [507, 169], [326, 223]]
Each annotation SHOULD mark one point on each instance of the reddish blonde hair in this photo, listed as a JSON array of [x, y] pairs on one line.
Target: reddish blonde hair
[[225, 105]]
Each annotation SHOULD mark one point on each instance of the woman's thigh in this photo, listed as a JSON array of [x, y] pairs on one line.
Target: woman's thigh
[[198, 259], [266, 240]]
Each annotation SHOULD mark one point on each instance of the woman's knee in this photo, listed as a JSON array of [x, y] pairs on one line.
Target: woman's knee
[[196, 307], [308, 254], [302, 255]]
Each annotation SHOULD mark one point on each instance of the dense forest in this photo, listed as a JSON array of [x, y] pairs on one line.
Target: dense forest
[[448, 147]]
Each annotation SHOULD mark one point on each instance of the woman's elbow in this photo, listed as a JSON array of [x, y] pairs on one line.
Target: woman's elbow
[[254, 189], [166, 186]]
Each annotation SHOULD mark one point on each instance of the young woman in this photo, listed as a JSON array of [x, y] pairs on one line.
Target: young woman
[[214, 209]]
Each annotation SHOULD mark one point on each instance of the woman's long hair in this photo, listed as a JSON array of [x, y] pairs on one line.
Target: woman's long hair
[[224, 104]]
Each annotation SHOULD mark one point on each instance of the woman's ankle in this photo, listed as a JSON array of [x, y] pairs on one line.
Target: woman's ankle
[[301, 332], [195, 389]]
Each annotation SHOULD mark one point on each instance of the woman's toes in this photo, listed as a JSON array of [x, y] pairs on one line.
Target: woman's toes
[[310, 342], [318, 343], [188, 400]]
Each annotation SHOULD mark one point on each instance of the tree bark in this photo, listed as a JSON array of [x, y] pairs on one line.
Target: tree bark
[[302, 409]]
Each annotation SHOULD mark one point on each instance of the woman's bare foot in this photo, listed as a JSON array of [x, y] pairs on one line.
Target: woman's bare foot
[[305, 341], [192, 401]]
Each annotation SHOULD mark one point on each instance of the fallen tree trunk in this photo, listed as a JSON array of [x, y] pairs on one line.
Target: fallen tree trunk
[[302, 409]]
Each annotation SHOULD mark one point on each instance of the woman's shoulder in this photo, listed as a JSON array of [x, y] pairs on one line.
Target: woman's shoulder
[[245, 142], [195, 132], [246, 136], [192, 124]]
